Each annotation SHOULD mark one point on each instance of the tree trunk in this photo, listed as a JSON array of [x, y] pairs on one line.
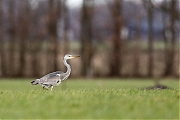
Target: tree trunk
[[66, 27], [169, 70], [116, 56], [2, 51], [36, 46], [86, 38], [54, 14], [12, 34], [136, 68], [24, 31], [150, 39]]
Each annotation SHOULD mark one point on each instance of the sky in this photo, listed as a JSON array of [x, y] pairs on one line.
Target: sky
[[74, 3], [77, 3]]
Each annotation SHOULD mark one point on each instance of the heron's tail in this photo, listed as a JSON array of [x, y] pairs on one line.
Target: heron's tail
[[34, 82]]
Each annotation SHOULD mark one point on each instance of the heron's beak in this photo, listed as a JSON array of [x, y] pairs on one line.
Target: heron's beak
[[75, 56]]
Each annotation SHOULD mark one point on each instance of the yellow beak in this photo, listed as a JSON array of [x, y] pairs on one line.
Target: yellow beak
[[75, 56]]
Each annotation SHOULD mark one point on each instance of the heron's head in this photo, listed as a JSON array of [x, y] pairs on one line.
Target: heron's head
[[67, 56]]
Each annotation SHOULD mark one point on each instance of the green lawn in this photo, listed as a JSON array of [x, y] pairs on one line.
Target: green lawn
[[89, 99]]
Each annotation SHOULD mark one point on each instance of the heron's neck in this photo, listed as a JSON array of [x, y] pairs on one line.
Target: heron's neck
[[68, 67]]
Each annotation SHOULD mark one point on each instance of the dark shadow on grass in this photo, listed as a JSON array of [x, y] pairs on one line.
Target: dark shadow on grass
[[157, 86]]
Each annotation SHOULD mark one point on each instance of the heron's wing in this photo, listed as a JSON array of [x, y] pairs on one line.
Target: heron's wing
[[53, 80], [51, 77]]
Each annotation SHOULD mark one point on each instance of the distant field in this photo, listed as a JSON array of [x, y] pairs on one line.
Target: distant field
[[89, 99]]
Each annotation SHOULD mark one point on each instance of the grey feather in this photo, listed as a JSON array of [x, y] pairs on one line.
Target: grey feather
[[51, 79]]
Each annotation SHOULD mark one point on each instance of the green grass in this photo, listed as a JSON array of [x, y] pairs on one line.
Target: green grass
[[89, 99]]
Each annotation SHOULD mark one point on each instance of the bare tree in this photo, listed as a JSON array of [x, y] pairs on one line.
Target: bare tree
[[149, 7], [12, 35], [66, 26], [150, 38], [116, 56], [136, 66], [170, 8], [53, 15], [86, 37], [169, 70], [36, 44], [24, 17], [2, 52]]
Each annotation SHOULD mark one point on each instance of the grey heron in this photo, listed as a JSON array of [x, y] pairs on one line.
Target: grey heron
[[55, 78]]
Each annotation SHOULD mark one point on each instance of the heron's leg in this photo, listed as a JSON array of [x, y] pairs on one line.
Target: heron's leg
[[51, 88], [44, 88]]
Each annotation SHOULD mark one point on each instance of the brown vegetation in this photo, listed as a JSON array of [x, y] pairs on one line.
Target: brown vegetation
[[33, 40]]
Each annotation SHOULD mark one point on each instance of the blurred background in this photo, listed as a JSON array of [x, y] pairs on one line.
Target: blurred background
[[115, 38]]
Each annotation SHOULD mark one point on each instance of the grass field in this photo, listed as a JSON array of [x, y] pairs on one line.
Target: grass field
[[89, 99]]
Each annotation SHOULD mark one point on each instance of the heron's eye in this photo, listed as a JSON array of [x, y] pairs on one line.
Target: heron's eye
[[69, 56]]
